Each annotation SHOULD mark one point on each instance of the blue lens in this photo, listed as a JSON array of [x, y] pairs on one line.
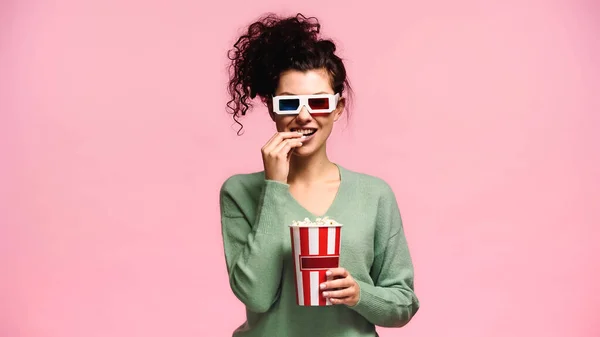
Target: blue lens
[[289, 104]]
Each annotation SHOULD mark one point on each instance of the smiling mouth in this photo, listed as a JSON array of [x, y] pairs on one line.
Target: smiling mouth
[[305, 131]]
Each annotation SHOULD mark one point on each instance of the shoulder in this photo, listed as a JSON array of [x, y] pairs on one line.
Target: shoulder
[[243, 182], [240, 193], [369, 184]]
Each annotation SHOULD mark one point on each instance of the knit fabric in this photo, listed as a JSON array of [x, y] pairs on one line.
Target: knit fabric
[[255, 214]]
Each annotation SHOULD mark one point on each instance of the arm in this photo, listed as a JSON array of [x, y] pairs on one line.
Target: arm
[[253, 251], [389, 301]]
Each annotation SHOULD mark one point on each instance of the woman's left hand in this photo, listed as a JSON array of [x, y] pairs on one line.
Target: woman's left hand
[[341, 288]]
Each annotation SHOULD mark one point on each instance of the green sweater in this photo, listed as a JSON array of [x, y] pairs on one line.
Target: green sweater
[[255, 214]]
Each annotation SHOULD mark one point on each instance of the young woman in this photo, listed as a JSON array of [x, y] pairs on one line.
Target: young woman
[[303, 83]]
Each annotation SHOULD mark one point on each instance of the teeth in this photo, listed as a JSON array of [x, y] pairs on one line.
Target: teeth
[[305, 131]]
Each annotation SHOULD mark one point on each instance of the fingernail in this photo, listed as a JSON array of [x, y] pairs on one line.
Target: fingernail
[[322, 285], [325, 294], [328, 273]]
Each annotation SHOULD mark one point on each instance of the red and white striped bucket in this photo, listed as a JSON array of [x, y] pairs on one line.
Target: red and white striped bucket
[[316, 249]]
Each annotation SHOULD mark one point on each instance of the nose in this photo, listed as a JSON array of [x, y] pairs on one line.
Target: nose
[[304, 116]]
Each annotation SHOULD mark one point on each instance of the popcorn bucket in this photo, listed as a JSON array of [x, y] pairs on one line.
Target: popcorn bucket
[[315, 249]]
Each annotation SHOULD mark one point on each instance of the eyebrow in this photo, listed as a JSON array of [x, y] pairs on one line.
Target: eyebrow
[[291, 94]]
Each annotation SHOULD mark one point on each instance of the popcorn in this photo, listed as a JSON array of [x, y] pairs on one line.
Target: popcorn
[[320, 221]]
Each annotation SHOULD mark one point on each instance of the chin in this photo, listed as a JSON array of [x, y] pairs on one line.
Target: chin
[[303, 152], [297, 153]]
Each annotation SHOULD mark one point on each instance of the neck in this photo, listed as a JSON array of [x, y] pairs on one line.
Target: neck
[[306, 170]]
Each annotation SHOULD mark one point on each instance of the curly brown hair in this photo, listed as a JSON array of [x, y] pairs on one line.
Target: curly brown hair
[[272, 45]]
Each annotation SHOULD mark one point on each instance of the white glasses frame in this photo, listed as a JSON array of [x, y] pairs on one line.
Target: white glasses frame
[[333, 102]]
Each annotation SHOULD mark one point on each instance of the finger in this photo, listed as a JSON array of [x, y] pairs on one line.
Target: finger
[[337, 284], [278, 138], [289, 150], [342, 293], [285, 146], [338, 272], [338, 301]]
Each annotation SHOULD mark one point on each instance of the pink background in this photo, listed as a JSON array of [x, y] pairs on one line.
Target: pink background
[[114, 141]]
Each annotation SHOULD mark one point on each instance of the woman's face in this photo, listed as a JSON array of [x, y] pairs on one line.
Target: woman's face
[[294, 82]]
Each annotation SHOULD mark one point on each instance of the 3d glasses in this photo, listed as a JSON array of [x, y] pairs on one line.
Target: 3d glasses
[[291, 105]]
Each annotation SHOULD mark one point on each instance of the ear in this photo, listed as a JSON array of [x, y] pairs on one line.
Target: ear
[[269, 102], [337, 113]]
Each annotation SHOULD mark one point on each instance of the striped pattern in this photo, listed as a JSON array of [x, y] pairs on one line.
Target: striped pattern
[[315, 250]]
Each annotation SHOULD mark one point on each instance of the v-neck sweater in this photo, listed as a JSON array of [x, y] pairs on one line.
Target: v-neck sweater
[[255, 214]]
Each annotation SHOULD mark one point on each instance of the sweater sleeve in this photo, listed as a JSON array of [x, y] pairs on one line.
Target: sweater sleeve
[[388, 299], [254, 249]]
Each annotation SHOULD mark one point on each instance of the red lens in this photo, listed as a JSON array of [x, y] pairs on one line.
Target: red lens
[[318, 103]]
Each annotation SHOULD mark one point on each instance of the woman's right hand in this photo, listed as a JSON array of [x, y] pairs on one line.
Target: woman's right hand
[[277, 152]]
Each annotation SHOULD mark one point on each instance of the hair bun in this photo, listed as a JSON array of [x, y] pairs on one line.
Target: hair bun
[[327, 46]]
